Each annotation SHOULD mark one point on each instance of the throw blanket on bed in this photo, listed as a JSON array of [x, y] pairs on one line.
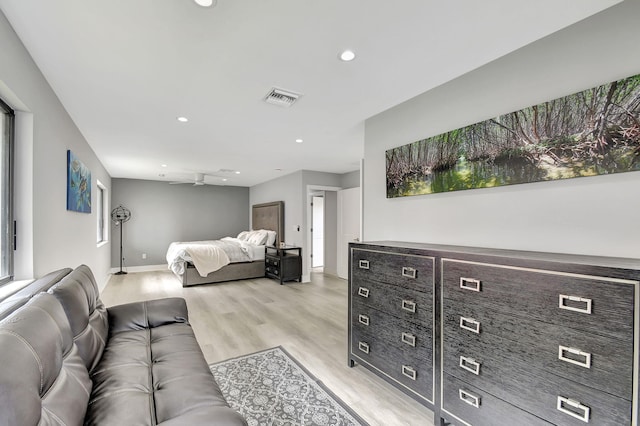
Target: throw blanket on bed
[[207, 256]]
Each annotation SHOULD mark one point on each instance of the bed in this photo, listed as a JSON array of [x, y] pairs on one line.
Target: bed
[[266, 216]]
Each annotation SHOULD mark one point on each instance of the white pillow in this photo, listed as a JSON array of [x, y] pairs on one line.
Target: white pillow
[[271, 238], [244, 235], [257, 238]]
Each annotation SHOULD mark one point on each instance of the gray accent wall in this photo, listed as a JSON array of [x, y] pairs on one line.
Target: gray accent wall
[[589, 215], [49, 236], [163, 213], [287, 188]]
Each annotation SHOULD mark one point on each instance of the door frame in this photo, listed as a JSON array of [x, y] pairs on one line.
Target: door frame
[[308, 237]]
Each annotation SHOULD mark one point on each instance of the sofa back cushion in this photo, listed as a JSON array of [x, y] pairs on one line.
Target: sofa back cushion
[[43, 380], [78, 293]]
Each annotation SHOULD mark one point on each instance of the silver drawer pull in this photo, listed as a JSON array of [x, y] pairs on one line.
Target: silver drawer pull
[[363, 319], [409, 272], [469, 398], [470, 324], [409, 339], [363, 291], [363, 264], [583, 359], [574, 409], [584, 304], [364, 347], [469, 284], [470, 364], [409, 372], [408, 305]]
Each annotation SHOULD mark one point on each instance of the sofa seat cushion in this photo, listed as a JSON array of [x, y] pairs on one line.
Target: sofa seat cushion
[[156, 376]]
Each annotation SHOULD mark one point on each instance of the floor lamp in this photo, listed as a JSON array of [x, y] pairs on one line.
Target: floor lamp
[[119, 216]]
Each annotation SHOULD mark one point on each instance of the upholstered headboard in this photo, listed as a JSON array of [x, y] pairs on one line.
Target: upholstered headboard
[[269, 216]]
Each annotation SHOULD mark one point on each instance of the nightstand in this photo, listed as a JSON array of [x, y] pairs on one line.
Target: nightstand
[[283, 263]]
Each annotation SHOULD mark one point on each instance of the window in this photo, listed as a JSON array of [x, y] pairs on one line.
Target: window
[[101, 209], [6, 192]]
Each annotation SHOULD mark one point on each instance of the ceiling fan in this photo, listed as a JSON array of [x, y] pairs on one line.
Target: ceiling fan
[[198, 180], [221, 177]]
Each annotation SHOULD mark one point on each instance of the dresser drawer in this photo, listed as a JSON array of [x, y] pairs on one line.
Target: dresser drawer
[[534, 390], [595, 304], [403, 303], [408, 367], [411, 338], [272, 261], [479, 408], [274, 270], [605, 363], [409, 271]]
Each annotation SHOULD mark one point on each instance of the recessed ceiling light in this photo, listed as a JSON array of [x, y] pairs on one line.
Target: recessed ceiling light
[[237, 172], [225, 179], [163, 165], [347, 56], [206, 3], [299, 140], [183, 119]]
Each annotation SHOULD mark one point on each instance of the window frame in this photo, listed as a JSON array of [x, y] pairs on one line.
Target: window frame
[[102, 213], [7, 224]]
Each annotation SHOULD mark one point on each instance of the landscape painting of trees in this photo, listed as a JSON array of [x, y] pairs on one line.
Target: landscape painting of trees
[[593, 132]]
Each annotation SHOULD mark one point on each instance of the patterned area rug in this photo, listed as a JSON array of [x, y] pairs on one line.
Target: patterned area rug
[[272, 388]]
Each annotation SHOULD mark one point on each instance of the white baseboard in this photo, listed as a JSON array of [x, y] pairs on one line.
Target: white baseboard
[[334, 276], [143, 268]]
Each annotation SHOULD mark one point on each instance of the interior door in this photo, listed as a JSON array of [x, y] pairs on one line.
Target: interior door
[[317, 231], [348, 226]]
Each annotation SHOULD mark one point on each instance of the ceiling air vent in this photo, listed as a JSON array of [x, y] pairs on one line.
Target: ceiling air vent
[[281, 97]]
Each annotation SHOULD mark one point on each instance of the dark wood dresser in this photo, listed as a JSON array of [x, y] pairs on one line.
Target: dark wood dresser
[[498, 337], [391, 312]]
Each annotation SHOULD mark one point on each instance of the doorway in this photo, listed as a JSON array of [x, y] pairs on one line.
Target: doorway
[[317, 232], [329, 227]]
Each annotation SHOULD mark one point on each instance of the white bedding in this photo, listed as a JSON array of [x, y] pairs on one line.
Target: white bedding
[[209, 256]]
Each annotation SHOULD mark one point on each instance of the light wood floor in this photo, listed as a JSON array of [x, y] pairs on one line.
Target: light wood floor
[[308, 319]]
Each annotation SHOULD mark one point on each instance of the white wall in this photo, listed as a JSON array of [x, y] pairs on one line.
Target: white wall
[[350, 179], [595, 215], [49, 236]]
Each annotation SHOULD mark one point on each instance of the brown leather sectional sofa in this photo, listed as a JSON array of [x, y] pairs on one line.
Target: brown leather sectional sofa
[[66, 359]]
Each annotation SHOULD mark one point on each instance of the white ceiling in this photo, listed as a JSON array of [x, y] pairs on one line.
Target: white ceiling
[[126, 69]]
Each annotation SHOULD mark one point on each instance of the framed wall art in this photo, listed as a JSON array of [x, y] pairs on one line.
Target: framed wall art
[[593, 132], [78, 185]]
